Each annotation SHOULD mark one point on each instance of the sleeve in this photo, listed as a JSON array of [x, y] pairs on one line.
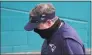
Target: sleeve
[[71, 47]]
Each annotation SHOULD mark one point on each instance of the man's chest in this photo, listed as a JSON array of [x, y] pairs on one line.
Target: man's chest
[[51, 48]]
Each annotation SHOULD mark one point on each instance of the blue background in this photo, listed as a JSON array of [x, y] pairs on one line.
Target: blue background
[[15, 15]]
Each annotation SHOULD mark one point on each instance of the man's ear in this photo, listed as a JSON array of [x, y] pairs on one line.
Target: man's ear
[[49, 22]]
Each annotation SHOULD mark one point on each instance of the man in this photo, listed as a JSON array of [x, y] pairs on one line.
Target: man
[[60, 38]]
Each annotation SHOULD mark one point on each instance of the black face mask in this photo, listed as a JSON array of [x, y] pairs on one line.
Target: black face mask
[[47, 33]]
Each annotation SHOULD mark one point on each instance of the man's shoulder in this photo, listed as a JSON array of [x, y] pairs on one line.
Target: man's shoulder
[[65, 28], [67, 32]]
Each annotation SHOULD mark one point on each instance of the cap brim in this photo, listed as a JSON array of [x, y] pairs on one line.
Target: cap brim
[[30, 26]]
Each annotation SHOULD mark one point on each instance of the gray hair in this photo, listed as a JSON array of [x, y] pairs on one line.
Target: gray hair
[[43, 8]]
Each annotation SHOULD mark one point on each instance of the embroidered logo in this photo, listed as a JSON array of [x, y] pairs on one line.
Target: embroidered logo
[[53, 47], [43, 16]]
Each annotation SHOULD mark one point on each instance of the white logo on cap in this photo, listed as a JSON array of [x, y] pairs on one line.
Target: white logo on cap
[[43, 15], [43, 18]]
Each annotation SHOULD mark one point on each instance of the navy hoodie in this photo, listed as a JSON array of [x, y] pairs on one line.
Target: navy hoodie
[[65, 41]]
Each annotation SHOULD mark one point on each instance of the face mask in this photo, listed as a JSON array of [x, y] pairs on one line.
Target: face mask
[[47, 33]]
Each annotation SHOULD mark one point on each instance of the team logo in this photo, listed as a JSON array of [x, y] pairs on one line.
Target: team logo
[[53, 47], [43, 16]]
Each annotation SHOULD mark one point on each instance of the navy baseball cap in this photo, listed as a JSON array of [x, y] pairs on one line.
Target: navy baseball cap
[[35, 20]]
